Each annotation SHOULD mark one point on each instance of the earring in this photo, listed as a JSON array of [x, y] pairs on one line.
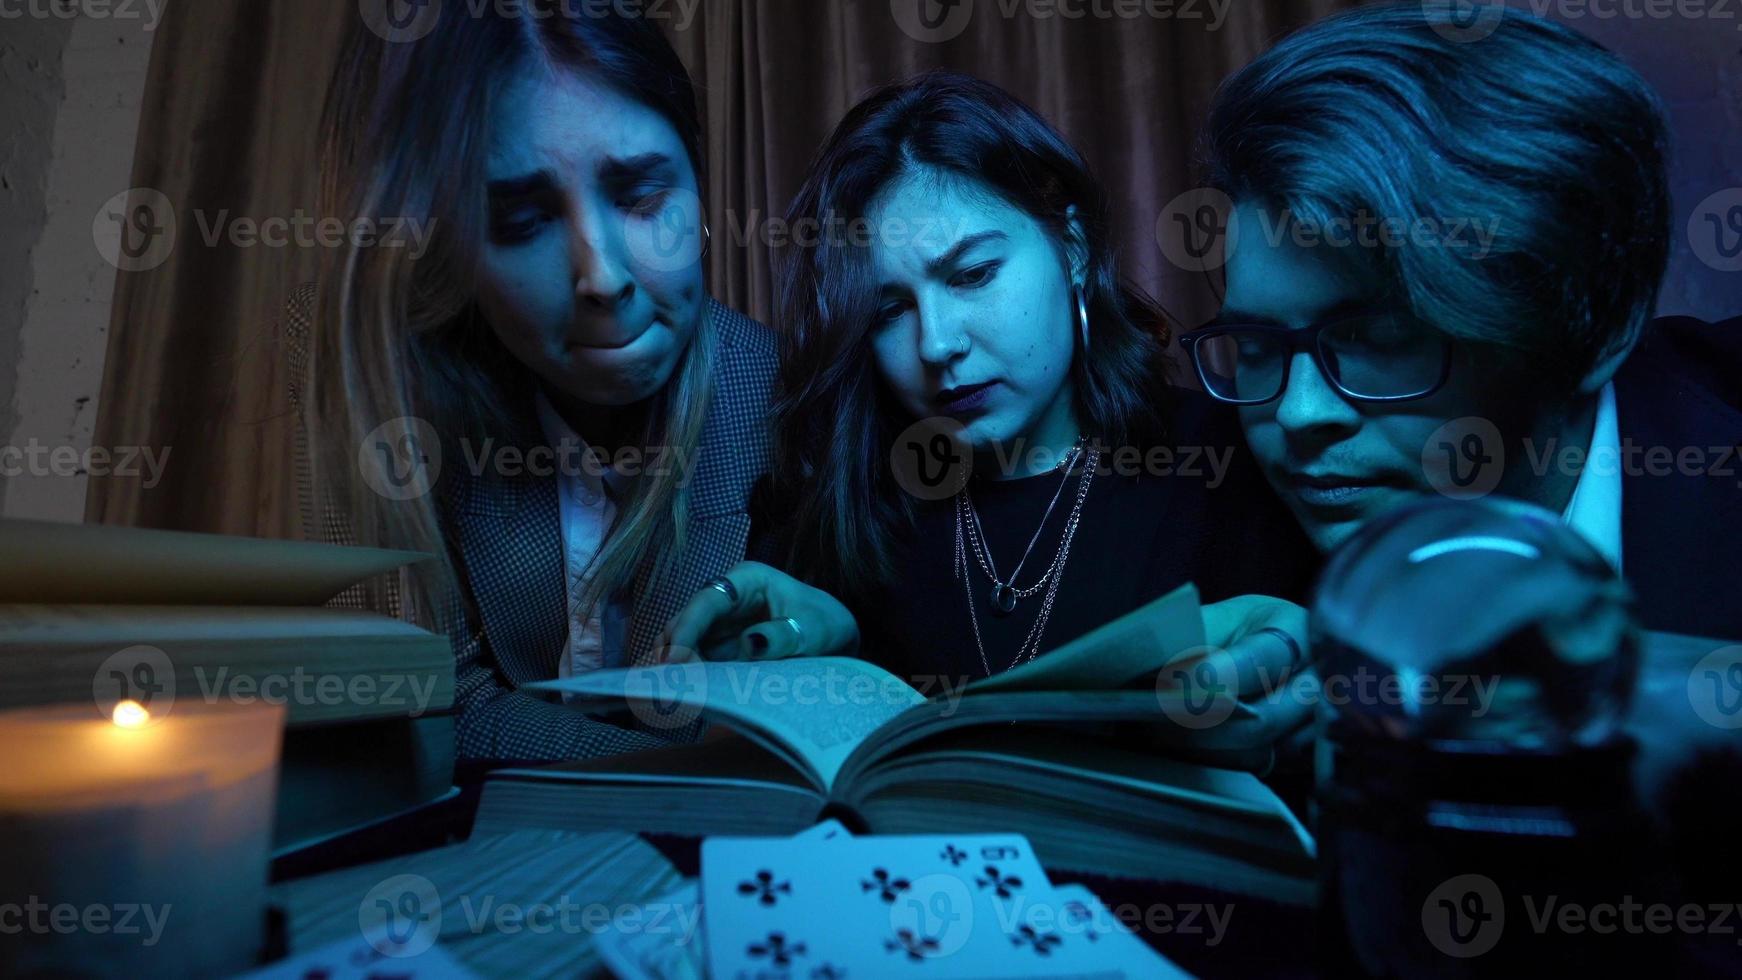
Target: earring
[[707, 240], [1082, 312]]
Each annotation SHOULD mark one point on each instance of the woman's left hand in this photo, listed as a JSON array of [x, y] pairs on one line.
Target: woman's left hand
[[771, 614]]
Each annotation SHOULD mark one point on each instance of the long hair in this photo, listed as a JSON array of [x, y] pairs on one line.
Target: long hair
[[834, 420], [404, 136], [1412, 115]]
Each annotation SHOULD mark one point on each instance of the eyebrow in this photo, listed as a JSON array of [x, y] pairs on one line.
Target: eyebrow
[[620, 168], [523, 186], [611, 169], [936, 266]]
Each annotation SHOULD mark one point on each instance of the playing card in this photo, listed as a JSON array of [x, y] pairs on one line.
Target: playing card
[[663, 940], [946, 906], [1081, 915]]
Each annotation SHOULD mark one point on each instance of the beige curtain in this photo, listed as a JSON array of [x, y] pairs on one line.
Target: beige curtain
[[196, 362]]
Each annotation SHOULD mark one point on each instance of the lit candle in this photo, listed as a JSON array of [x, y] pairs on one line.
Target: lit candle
[[133, 845]]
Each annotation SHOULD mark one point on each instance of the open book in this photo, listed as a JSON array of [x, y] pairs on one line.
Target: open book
[[1027, 751]]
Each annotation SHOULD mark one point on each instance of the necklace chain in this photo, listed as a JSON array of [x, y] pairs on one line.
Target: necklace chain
[[967, 526], [983, 551]]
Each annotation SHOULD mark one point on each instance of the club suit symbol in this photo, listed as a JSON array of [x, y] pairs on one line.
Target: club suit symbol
[[1715, 688], [1041, 942], [932, 21], [1715, 230], [1002, 885], [765, 888], [401, 916], [777, 949], [1465, 916], [887, 886]]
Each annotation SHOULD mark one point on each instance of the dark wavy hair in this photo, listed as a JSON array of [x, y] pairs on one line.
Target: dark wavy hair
[[835, 422], [1407, 112]]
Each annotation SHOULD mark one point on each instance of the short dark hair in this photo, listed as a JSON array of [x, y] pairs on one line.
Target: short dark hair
[[1396, 111], [831, 471]]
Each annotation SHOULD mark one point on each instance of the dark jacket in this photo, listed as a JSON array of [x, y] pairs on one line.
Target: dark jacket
[[1681, 525], [506, 539]]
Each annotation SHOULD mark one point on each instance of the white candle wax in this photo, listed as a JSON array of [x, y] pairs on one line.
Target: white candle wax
[[135, 851]]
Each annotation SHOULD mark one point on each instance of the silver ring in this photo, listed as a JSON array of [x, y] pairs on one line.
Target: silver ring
[[724, 586], [1296, 654], [796, 632]]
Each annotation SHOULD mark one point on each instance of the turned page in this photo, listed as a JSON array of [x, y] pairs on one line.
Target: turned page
[[811, 711], [1136, 644]]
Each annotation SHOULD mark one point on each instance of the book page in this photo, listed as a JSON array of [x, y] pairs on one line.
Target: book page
[[1111, 655], [811, 711], [48, 626], [44, 561]]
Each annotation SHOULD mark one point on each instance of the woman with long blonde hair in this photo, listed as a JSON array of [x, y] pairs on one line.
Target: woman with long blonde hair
[[543, 395]]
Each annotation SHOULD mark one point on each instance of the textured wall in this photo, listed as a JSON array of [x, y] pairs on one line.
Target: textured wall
[[31, 90], [75, 84]]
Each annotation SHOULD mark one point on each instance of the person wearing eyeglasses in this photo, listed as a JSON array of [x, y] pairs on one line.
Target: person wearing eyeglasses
[[1443, 258]]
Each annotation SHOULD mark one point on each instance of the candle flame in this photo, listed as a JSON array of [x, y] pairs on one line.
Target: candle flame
[[131, 714]]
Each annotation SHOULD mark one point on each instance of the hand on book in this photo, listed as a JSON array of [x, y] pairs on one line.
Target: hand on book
[[773, 616], [1256, 644]]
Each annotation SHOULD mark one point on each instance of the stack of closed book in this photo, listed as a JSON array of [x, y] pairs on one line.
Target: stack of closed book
[[99, 614]]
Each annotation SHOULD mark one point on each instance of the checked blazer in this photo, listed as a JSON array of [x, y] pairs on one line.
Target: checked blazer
[[508, 621]]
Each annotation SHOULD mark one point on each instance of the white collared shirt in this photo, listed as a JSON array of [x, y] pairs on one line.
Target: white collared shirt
[[1595, 510], [585, 501]]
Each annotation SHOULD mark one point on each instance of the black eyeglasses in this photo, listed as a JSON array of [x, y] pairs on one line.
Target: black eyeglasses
[[1373, 357]]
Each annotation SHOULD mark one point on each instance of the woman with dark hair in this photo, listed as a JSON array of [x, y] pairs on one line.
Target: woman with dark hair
[[969, 289], [548, 399]]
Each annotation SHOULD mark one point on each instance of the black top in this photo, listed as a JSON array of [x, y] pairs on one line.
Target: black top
[[1192, 507]]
